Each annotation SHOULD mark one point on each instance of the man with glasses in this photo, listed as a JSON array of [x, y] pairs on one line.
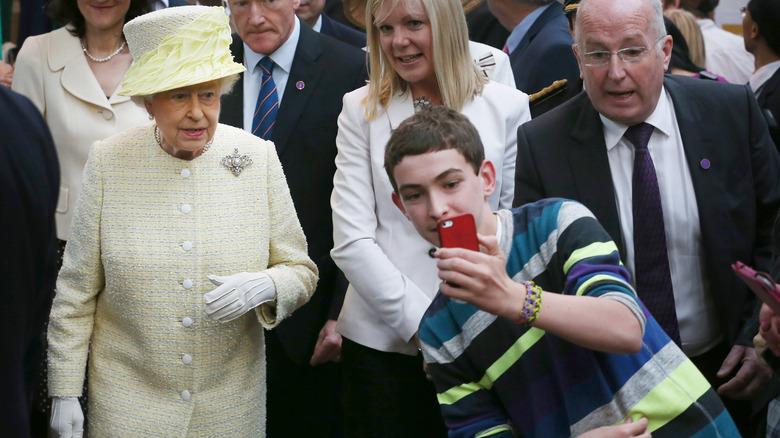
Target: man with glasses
[[681, 172]]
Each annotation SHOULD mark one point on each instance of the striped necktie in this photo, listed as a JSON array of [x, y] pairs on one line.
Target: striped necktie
[[267, 102]]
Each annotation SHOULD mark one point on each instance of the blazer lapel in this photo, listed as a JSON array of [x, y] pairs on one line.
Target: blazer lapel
[[769, 88], [77, 78], [550, 13], [698, 145], [304, 76], [590, 168], [399, 109]]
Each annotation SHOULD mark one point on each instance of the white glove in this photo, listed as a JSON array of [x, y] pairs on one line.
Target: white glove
[[237, 294], [67, 419]]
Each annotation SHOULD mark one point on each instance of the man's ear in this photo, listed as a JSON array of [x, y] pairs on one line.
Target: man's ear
[[487, 173], [399, 204], [666, 51], [753, 29]]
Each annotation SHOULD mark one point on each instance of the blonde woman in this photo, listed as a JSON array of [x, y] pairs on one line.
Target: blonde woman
[[185, 246], [418, 56], [689, 27]]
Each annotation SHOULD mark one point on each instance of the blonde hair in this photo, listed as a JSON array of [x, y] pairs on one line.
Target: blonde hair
[[457, 75], [689, 27]]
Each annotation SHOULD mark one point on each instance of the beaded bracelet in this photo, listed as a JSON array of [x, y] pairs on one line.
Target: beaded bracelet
[[533, 303]]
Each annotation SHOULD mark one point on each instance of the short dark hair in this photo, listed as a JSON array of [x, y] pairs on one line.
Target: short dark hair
[[699, 8], [67, 12], [434, 129], [766, 15]]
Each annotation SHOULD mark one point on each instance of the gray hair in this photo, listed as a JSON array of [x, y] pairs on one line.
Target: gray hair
[[225, 85], [656, 19]]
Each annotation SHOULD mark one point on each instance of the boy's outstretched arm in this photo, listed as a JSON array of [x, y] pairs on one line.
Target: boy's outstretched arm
[[480, 279]]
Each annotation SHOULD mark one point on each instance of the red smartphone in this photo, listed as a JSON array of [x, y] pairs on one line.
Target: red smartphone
[[761, 283], [458, 232]]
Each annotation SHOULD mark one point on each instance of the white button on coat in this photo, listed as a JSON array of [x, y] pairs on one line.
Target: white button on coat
[[186, 208], [187, 283], [108, 115], [187, 359], [185, 395], [185, 173], [187, 245], [186, 321]]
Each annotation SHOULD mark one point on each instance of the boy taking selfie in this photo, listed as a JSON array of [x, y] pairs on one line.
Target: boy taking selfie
[[540, 333]]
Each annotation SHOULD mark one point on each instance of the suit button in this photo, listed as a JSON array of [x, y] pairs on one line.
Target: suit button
[[187, 359], [186, 321], [185, 395], [187, 283], [108, 115], [187, 245], [186, 208], [185, 173]]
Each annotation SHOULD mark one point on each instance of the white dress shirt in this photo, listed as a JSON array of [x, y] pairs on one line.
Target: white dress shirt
[[253, 76], [760, 76], [699, 327], [725, 53]]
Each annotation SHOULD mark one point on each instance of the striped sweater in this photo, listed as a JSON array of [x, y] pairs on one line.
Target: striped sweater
[[499, 379]]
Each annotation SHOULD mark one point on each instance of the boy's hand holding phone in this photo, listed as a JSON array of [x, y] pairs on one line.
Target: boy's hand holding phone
[[480, 278]]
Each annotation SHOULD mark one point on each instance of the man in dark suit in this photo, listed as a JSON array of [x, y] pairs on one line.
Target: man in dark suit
[[714, 173], [539, 45], [310, 11], [29, 186], [762, 38], [311, 74]]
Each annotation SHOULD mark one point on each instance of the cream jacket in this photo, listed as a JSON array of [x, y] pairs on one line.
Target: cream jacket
[[392, 278], [148, 230], [52, 71]]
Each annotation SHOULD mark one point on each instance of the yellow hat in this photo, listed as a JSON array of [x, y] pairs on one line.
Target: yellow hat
[[178, 47]]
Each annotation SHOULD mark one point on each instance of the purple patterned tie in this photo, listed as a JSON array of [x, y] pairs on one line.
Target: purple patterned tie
[[651, 262]]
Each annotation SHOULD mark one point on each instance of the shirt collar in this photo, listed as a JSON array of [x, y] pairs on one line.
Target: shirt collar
[[522, 28], [282, 57], [661, 119], [760, 76], [318, 25]]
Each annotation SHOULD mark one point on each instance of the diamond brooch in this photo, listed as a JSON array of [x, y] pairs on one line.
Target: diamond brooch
[[236, 163]]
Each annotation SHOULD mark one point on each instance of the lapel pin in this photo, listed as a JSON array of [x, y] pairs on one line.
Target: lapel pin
[[300, 85], [705, 164], [236, 163]]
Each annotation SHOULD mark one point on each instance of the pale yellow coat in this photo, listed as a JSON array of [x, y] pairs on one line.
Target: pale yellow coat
[[148, 230]]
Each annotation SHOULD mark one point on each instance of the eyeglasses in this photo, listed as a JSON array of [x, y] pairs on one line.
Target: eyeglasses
[[743, 11], [601, 58]]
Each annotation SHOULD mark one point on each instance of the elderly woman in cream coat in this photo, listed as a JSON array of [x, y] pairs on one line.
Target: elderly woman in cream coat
[[185, 245]]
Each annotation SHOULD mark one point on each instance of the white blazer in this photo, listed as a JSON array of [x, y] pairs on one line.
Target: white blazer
[[392, 278], [493, 63], [51, 70]]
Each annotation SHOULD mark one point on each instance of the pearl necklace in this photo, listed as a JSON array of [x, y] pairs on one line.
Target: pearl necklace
[[159, 142], [89, 55]]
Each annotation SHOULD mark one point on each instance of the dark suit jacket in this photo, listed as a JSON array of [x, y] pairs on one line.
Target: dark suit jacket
[[305, 139], [563, 153], [29, 186], [172, 3], [485, 28], [544, 55], [342, 33], [769, 99]]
